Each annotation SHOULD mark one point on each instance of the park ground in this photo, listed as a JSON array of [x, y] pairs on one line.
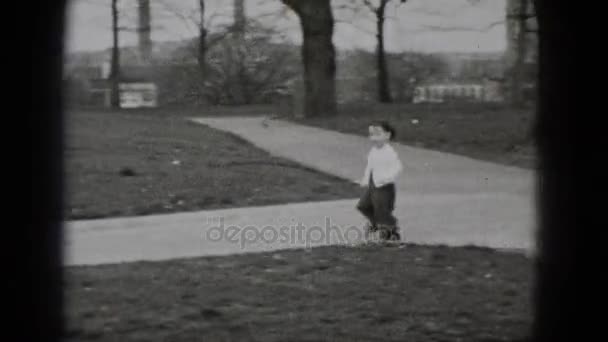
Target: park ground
[[144, 162], [366, 293], [490, 132], [141, 162]]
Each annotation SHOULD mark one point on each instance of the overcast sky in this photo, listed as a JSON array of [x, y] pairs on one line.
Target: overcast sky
[[411, 28]]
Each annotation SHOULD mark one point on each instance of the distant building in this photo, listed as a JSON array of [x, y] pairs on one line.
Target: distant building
[[471, 78], [137, 90], [440, 92], [138, 95]]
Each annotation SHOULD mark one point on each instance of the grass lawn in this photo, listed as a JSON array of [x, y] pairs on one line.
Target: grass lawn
[[487, 132], [144, 162], [366, 293]]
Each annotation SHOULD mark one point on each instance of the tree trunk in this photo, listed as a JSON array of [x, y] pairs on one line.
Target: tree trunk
[[318, 56], [239, 24], [144, 30], [518, 69], [202, 40], [115, 63], [384, 91]]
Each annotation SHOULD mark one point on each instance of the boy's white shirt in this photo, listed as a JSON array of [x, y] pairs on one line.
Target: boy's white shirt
[[384, 165]]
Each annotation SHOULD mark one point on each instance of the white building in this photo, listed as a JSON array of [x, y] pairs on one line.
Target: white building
[[138, 95], [487, 91]]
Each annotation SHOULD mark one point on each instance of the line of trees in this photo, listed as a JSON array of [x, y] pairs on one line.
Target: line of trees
[[318, 55]]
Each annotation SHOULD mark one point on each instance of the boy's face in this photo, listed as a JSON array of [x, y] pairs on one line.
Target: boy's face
[[378, 135]]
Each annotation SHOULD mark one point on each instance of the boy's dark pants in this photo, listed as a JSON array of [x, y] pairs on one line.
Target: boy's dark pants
[[377, 205]]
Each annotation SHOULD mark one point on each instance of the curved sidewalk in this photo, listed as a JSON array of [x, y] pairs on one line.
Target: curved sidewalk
[[442, 199], [440, 195]]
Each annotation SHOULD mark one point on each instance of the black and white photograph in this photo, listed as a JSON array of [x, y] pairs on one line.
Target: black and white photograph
[[301, 170]]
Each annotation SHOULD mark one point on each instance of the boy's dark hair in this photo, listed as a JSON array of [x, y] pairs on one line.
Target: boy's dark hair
[[387, 127]]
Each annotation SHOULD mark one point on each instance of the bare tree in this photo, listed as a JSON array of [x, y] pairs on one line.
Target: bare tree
[[145, 45], [318, 55], [378, 9], [115, 62], [202, 39], [144, 29], [518, 13], [202, 20], [239, 65], [240, 20], [384, 91], [249, 69]]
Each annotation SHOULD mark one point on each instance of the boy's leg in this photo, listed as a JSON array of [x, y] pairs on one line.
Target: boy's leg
[[383, 200], [366, 207]]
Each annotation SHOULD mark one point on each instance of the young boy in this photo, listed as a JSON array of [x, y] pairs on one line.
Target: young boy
[[383, 167]]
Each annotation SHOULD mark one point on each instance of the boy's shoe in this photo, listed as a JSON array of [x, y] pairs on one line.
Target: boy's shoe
[[395, 236], [385, 234], [390, 234], [372, 228], [371, 232]]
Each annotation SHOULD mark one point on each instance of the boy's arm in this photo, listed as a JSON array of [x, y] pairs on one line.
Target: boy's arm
[[363, 181]]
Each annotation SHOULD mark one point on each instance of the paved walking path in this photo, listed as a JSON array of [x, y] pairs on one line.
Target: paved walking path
[[442, 199]]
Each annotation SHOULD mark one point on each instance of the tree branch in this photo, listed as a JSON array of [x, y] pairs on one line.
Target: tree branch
[[382, 6], [191, 17], [370, 5]]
